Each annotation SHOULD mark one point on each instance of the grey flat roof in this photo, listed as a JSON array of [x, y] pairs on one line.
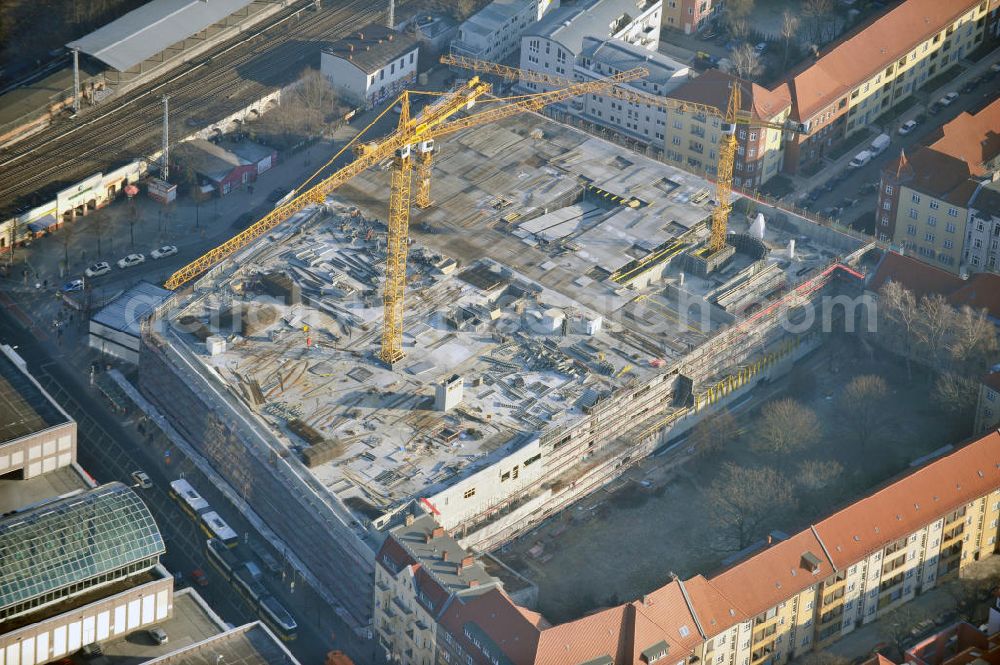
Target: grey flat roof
[[251, 644], [24, 407], [494, 15], [126, 312], [16, 493], [150, 29], [624, 56], [569, 25]]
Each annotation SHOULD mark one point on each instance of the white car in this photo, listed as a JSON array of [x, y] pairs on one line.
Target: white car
[[131, 260], [907, 127], [161, 252], [98, 269], [142, 480], [948, 99]]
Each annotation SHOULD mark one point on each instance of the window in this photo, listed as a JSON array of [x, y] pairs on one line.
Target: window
[[888, 189], [948, 244], [913, 213], [469, 493], [886, 205], [934, 205], [932, 221], [392, 68], [885, 220], [911, 230], [953, 212], [949, 227], [411, 58], [915, 198]]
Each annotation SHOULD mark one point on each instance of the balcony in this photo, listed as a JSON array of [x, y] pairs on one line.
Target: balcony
[[698, 131], [762, 656], [406, 611], [831, 598], [762, 635]]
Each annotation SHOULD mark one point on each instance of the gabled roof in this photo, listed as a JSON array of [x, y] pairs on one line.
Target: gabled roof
[[922, 279], [980, 291], [715, 612], [586, 639], [974, 139], [856, 58], [712, 88], [774, 574], [372, 47], [511, 634], [912, 502], [666, 610]]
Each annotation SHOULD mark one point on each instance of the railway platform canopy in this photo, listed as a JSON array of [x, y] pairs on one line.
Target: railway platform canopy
[[168, 31]]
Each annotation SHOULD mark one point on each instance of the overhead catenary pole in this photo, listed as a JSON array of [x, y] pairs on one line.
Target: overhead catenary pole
[[390, 18], [76, 81], [165, 152]]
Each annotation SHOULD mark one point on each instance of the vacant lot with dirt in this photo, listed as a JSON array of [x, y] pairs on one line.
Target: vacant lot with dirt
[[627, 540]]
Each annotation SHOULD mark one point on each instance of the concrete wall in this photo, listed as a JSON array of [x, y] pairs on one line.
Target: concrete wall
[[40, 452], [110, 618]]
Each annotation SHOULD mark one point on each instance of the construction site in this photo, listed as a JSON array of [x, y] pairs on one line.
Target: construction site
[[564, 318]]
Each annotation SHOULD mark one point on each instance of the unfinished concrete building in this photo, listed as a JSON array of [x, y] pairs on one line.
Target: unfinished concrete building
[[554, 335]]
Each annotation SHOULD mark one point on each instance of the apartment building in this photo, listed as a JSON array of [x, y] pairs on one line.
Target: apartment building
[[688, 15], [873, 69], [926, 200], [372, 64], [988, 403], [644, 124], [794, 596], [982, 240], [553, 44], [692, 139], [494, 32]]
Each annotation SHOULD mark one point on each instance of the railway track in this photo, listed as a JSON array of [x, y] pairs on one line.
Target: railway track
[[222, 83]]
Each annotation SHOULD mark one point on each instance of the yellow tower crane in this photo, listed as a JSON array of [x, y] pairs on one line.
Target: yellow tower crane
[[729, 119], [413, 140]]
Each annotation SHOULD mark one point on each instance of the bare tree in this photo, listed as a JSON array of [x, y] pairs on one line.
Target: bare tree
[[896, 626], [818, 474], [973, 341], [711, 434], [745, 500], [745, 62], [817, 15], [933, 326], [862, 407], [66, 234], [957, 395], [738, 27], [789, 28], [897, 318], [315, 102], [785, 426]]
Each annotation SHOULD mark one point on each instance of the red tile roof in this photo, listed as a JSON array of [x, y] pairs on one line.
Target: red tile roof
[[496, 615], [918, 277], [974, 139], [712, 88], [980, 291], [716, 613], [773, 575], [913, 502], [855, 59], [599, 634]]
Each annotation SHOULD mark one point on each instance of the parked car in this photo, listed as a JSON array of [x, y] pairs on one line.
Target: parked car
[[879, 144], [969, 86], [199, 577], [74, 285], [948, 99], [131, 260], [935, 108], [868, 188], [142, 480], [98, 269], [860, 159], [907, 127], [161, 252], [760, 48], [158, 635]]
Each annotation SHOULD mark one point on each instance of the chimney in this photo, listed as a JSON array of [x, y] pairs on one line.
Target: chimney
[[473, 584], [427, 537], [770, 540], [389, 36], [467, 561], [350, 47], [444, 555], [437, 532], [361, 35], [410, 519]]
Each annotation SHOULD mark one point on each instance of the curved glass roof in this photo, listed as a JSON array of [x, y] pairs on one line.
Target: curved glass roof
[[73, 540]]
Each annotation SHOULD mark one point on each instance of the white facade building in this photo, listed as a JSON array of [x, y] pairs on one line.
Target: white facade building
[[982, 242], [371, 65], [554, 43], [494, 32], [645, 123]]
